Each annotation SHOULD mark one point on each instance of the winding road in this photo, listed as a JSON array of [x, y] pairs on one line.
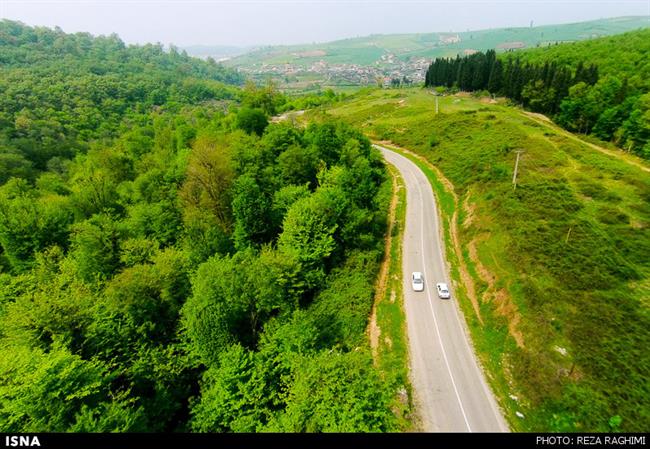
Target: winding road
[[450, 391]]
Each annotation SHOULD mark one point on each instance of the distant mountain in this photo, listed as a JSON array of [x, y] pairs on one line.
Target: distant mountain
[[216, 52], [370, 49], [363, 60]]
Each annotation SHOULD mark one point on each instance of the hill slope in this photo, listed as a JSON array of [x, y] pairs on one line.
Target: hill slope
[[567, 83], [401, 55], [368, 49], [61, 91], [555, 273], [624, 56], [617, 107]]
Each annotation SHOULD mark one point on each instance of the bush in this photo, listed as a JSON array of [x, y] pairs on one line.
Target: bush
[[434, 141], [251, 120]]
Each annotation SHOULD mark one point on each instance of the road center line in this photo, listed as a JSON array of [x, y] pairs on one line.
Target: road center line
[[435, 321]]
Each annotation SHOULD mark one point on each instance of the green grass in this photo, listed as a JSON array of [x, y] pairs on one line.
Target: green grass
[[568, 248], [392, 350]]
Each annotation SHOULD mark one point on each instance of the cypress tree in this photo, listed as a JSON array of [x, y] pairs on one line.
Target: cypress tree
[[550, 75], [467, 78], [496, 75], [579, 75], [517, 80], [452, 69], [485, 71], [544, 73], [433, 76], [506, 85], [477, 76], [622, 92], [561, 83], [491, 57], [592, 75]]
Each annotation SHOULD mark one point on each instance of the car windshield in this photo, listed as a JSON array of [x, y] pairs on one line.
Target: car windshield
[[417, 280]]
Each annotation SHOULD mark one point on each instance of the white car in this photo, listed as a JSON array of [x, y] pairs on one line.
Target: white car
[[443, 290], [417, 281]]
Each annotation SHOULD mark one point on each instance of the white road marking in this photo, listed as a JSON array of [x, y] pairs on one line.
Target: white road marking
[[435, 321], [470, 385]]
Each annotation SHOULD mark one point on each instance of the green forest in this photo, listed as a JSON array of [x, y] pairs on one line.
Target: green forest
[[169, 260], [609, 97]]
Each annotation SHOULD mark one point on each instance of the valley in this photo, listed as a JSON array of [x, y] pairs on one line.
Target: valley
[[194, 246]]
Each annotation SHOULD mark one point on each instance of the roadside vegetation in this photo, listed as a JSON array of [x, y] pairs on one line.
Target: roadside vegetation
[[387, 328], [558, 265], [180, 264]]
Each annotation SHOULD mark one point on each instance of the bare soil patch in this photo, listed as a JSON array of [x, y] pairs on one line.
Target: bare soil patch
[[507, 308], [537, 116], [380, 288], [470, 211], [488, 100], [310, 53], [504, 304]]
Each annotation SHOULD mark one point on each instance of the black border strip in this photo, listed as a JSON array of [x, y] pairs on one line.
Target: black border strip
[[330, 441]]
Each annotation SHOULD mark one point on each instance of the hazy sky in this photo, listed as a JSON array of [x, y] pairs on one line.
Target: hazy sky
[[298, 21]]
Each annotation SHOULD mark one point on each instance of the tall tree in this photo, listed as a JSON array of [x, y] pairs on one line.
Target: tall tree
[[209, 178]]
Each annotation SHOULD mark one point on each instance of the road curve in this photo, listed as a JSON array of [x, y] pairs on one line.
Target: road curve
[[450, 391]]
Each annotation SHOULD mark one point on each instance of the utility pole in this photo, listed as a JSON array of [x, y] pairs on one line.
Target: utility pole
[[514, 176], [436, 104]]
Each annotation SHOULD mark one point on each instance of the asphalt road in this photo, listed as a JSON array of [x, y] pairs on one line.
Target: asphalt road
[[450, 390]]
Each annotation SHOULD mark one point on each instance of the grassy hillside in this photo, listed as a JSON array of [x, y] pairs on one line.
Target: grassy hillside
[[558, 268], [366, 50]]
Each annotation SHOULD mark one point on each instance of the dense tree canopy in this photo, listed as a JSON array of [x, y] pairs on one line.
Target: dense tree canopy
[[60, 91], [171, 262]]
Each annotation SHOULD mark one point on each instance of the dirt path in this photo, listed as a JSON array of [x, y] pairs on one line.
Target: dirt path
[[504, 305], [286, 116], [374, 331]]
